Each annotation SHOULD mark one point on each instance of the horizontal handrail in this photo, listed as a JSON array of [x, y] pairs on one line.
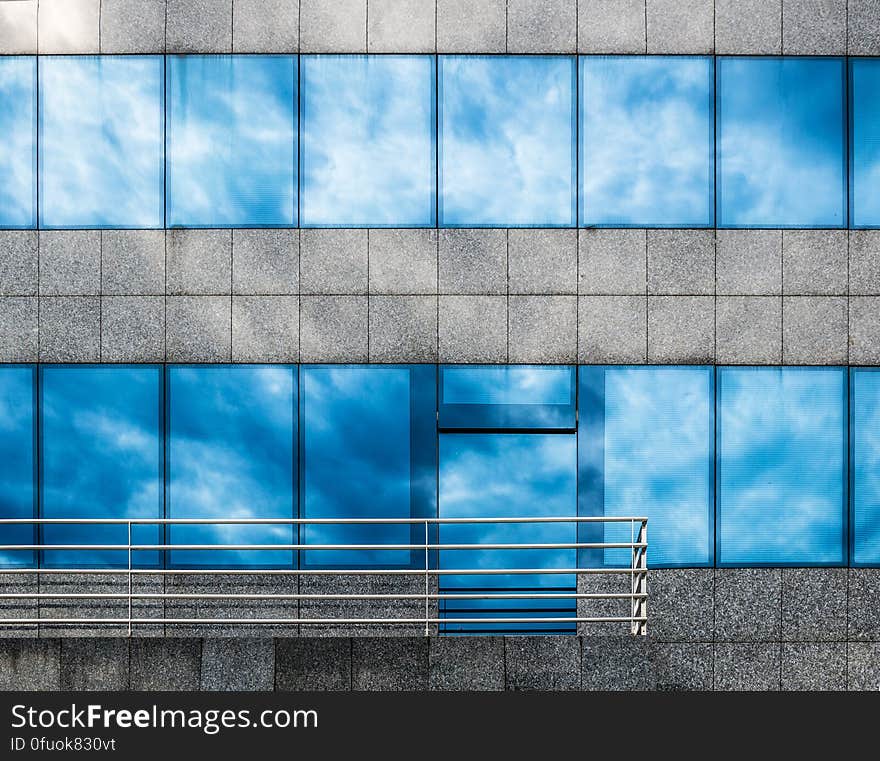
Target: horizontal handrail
[[346, 521]]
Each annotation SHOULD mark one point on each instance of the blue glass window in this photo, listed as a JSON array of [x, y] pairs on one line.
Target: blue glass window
[[231, 454], [101, 457], [507, 141], [865, 142], [646, 449], [368, 143], [865, 443], [17, 462], [369, 446], [647, 141], [18, 125], [101, 141], [781, 144], [781, 466], [232, 141]]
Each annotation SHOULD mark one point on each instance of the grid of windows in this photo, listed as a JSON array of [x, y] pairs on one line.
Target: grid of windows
[[450, 140]]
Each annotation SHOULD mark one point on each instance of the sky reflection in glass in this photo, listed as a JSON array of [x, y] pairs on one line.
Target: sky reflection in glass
[[232, 134], [101, 445], [101, 141], [17, 461], [507, 141], [646, 449], [781, 142], [865, 146], [18, 126], [781, 466], [231, 455], [368, 141], [865, 439], [647, 141], [368, 451]]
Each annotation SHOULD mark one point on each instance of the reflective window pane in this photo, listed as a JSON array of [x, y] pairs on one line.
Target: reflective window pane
[[101, 446], [231, 439], [865, 442], [368, 141], [865, 145], [647, 141], [507, 396], [101, 141], [18, 126], [232, 134], [368, 451], [17, 462], [646, 449], [781, 466], [781, 147], [507, 141]]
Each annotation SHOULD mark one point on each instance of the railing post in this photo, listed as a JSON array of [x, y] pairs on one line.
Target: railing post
[[633, 601], [641, 627], [427, 586], [129, 578]]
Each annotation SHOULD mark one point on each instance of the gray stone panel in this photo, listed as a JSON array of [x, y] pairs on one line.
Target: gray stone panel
[[18, 262], [862, 27], [748, 27], [681, 26], [18, 583], [473, 261], [542, 663], [747, 604], [30, 664], [94, 663], [467, 27], [313, 664], [681, 604], [814, 330], [265, 26], [541, 26], [616, 663], [165, 663], [403, 328], [70, 329], [389, 663], [814, 604], [864, 262], [199, 262], [133, 26], [605, 583], [864, 614], [543, 261], [18, 28], [682, 667], [238, 664], [612, 329], [473, 329], [18, 329], [814, 27], [863, 666], [814, 666], [403, 261], [401, 26], [69, 26], [70, 262], [814, 262], [864, 330], [681, 329], [749, 330], [133, 328], [611, 26], [749, 262], [681, 262], [337, 27], [198, 328], [612, 262], [333, 328], [265, 328], [265, 262], [467, 663], [132, 262], [754, 667], [198, 26], [543, 329], [333, 261]]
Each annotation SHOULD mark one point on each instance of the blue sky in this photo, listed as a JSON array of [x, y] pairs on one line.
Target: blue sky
[[866, 465], [368, 141], [507, 132], [865, 93], [781, 154], [647, 141], [18, 125], [16, 459], [232, 133], [101, 141]]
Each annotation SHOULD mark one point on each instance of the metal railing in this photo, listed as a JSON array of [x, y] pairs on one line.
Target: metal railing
[[427, 599]]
